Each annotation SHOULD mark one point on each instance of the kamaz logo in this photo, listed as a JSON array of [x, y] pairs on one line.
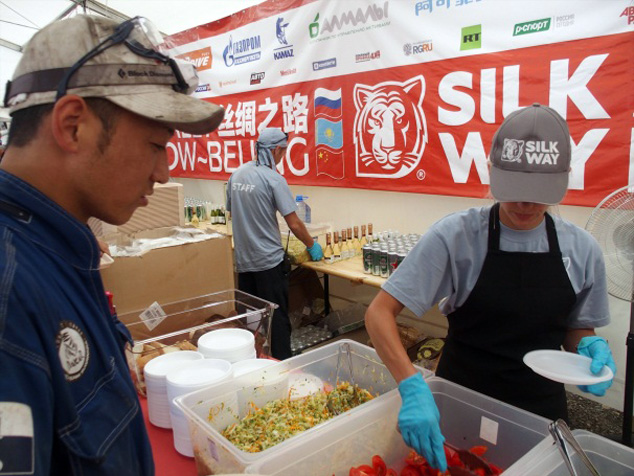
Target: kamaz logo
[[282, 53], [534, 26], [372, 13], [285, 50]]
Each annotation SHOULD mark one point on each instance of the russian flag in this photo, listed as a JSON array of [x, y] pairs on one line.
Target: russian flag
[[328, 102]]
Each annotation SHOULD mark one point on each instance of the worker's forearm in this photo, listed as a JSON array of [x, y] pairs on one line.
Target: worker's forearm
[[573, 336], [302, 234], [381, 326]]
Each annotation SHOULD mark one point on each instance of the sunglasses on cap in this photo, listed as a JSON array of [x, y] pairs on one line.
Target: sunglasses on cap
[[141, 37]]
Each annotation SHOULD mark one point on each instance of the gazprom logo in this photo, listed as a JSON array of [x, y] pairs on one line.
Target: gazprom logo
[[242, 51], [534, 26]]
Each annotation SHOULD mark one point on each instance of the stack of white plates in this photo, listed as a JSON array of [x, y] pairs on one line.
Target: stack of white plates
[[186, 379], [154, 372], [232, 345]]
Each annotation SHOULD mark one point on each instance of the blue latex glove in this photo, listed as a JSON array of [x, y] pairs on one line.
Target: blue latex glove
[[315, 251], [598, 350], [419, 421]]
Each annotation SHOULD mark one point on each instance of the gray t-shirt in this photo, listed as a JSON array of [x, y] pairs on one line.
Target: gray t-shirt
[[254, 195], [445, 264]]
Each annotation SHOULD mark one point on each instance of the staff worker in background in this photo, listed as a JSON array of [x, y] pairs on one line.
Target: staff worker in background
[[87, 139], [255, 192], [511, 278]]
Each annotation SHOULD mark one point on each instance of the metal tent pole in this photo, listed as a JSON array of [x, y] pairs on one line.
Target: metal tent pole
[[629, 387]]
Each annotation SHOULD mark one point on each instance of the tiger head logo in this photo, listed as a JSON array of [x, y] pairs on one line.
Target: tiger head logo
[[512, 150], [390, 130]]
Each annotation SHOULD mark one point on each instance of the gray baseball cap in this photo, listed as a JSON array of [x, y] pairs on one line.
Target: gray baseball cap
[[530, 157], [131, 72]]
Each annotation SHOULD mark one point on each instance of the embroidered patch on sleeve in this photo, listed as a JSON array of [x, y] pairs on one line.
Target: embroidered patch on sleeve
[[16, 439], [72, 347]]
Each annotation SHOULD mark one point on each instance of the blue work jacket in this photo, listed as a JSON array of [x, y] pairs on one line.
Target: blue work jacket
[[67, 403]]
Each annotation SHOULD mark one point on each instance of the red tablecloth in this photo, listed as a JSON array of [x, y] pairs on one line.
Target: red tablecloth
[[167, 460]]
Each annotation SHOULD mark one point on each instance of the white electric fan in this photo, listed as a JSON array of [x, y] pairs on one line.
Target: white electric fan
[[612, 224]]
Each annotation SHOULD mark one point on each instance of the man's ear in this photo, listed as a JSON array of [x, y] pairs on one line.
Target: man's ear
[[70, 115]]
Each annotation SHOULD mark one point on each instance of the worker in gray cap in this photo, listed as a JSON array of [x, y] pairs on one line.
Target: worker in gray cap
[[511, 278], [255, 193], [93, 105]]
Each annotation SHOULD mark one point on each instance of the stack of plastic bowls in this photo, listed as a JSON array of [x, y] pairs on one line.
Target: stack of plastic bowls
[[186, 379], [232, 345], [154, 373]]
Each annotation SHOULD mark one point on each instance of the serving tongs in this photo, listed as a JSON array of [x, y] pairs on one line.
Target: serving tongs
[[563, 436], [343, 349], [471, 461]]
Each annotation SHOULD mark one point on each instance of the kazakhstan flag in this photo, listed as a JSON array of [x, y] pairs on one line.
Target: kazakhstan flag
[[329, 133]]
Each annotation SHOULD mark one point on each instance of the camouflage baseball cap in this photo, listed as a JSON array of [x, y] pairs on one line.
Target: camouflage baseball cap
[[530, 157], [93, 56]]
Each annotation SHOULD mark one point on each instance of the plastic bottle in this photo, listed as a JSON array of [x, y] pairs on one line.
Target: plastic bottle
[[303, 209]]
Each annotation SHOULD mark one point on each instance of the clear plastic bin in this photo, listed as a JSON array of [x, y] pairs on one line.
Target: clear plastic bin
[[468, 418], [185, 321], [228, 403], [609, 457]]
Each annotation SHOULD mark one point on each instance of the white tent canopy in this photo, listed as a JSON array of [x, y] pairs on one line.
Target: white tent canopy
[[20, 19]]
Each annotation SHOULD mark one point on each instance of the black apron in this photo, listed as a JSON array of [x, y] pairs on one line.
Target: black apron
[[520, 303]]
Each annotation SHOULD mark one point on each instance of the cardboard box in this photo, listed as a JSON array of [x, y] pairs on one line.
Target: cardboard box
[[304, 287], [169, 274], [165, 208]]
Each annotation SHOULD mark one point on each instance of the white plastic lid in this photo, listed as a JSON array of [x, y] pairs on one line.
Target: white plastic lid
[[202, 372], [236, 344], [158, 367]]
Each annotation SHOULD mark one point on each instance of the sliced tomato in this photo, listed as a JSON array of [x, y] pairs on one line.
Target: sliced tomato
[[414, 459], [478, 450], [496, 470], [379, 466], [391, 472], [366, 470], [410, 471], [453, 460]]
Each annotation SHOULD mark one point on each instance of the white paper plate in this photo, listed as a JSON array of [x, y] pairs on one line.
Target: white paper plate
[[565, 367]]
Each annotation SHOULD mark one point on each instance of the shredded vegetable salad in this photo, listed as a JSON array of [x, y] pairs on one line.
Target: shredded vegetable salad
[[280, 419]]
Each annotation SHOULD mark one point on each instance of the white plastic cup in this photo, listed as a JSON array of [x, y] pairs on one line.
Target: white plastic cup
[[186, 379], [154, 373]]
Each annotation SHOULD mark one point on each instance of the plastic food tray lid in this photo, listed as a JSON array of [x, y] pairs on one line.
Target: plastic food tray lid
[[609, 457]]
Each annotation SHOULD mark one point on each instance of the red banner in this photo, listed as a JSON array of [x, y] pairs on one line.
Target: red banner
[[427, 128]]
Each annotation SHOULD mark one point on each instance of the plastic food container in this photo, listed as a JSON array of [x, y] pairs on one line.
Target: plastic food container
[[228, 402], [609, 457], [178, 325], [468, 418]]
